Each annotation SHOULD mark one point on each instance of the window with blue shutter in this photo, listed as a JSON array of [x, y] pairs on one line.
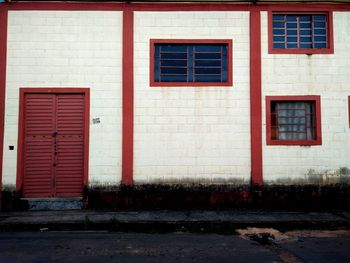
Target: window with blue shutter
[[191, 63], [300, 31]]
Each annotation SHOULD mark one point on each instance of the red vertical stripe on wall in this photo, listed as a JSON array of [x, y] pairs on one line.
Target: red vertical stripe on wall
[[3, 44], [128, 97], [255, 98]]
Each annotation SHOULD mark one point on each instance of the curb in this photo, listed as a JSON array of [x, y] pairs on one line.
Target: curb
[[223, 222]]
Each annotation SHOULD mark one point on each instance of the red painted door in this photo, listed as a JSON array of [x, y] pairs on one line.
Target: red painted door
[[53, 145]]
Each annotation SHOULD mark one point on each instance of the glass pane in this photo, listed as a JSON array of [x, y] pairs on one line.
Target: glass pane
[[278, 17], [278, 31], [208, 71], [308, 107], [320, 38], [305, 18], [173, 55], [174, 48], [292, 32], [283, 120], [292, 39], [292, 25], [208, 78], [297, 105], [208, 63], [278, 39], [305, 45], [174, 63], [207, 56], [305, 25], [283, 113], [208, 48], [292, 45], [278, 45], [305, 40], [173, 78], [320, 24], [292, 18], [305, 32], [167, 71], [320, 31], [278, 25], [320, 45], [319, 17]]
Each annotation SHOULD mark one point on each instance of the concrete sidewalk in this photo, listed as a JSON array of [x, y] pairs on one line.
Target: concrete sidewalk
[[168, 221]]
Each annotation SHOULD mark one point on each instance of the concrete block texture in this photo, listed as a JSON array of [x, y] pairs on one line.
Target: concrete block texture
[[325, 75], [192, 134], [69, 49]]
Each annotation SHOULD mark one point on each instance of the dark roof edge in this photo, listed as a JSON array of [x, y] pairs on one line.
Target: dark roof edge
[[199, 1]]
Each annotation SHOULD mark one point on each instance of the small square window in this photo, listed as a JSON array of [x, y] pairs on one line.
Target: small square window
[[303, 33], [293, 120], [191, 63]]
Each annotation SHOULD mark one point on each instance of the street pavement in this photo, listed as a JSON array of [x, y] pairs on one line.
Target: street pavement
[[174, 236], [99, 246]]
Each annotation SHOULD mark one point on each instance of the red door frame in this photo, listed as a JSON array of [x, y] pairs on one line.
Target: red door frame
[[20, 143]]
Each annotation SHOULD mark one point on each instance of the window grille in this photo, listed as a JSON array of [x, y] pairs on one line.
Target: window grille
[[305, 31], [190, 62]]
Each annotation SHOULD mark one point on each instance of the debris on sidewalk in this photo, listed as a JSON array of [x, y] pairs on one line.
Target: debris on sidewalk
[[44, 229], [264, 236]]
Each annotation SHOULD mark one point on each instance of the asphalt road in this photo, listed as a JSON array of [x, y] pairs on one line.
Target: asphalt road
[[171, 247]]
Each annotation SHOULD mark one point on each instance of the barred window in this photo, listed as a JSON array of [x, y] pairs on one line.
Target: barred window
[[191, 63], [300, 31], [293, 120]]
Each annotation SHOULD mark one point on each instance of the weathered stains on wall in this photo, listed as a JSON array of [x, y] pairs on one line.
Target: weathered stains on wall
[[326, 75], [316, 177], [180, 184], [338, 176], [185, 182], [8, 187], [197, 181], [305, 197], [192, 134], [157, 196]]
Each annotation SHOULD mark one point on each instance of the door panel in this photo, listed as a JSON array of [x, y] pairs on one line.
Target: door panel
[[39, 116], [70, 114], [38, 168], [39, 119], [69, 170], [53, 145]]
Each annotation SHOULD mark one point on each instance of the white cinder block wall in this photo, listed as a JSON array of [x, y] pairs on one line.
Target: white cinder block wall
[[324, 75], [68, 49], [182, 134], [192, 134]]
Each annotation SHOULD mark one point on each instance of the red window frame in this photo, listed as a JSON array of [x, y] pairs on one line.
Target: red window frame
[[308, 51], [191, 41], [318, 133]]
